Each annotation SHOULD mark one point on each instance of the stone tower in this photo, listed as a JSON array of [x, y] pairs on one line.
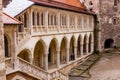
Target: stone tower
[[2, 59], [108, 14]]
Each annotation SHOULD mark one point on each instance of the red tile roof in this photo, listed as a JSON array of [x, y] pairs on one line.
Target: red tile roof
[[10, 20], [75, 3], [74, 6]]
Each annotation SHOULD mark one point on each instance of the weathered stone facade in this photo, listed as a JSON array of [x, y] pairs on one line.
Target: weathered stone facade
[[50, 42], [2, 62], [108, 16]]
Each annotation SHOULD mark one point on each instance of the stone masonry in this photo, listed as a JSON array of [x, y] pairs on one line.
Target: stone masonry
[[108, 14], [2, 62]]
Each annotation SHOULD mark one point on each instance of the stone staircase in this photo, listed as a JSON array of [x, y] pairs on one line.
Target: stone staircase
[[81, 71], [36, 72]]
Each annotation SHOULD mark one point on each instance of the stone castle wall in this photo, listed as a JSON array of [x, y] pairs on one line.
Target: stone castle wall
[[109, 28], [109, 17], [2, 63]]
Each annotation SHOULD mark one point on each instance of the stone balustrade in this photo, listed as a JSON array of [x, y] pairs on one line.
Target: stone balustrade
[[40, 73]]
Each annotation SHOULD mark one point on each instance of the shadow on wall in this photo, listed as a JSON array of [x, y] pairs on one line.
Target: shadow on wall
[[6, 2]]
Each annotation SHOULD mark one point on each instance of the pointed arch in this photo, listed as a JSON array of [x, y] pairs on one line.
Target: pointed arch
[[39, 52], [72, 45], [7, 45], [63, 48], [53, 47], [79, 42], [85, 43], [25, 55]]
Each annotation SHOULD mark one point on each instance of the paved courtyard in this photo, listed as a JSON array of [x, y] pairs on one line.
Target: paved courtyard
[[107, 68]]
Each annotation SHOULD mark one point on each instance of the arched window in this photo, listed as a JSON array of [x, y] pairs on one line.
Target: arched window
[[25, 20], [38, 19], [48, 19], [19, 26], [42, 18], [51, 19], [6, 47], [33, 18], [55, 22]]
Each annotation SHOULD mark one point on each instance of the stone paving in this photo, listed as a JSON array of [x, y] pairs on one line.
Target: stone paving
[[80, 72], [107, 68]]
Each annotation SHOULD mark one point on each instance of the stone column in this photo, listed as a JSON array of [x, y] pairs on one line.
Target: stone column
[[75, 51], [31, 58], [68, 22], [92, 47], [82, 22], [46, 59], [2, 53], [31, 22], [46, 62], [76, 22], [81, 49], [14, 54], [58, 21], [46, 20], [35, 19], [58, 58]]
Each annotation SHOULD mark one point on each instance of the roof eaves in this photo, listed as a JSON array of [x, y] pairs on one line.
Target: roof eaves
[[23, 10], [59, 5], [17, 21]]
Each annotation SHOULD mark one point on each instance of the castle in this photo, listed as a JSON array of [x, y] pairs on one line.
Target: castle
[[45, 39], [108, 14]]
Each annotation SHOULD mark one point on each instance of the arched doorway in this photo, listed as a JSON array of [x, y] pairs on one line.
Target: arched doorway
[[39, 54], [78, 46], [52, 54], [63, 54], [90, 43], [84, 45], [6, 47], [108, 43], [24, 55], [72, 55]]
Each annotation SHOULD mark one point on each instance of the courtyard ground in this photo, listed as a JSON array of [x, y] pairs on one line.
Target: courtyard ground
[[107, 68]]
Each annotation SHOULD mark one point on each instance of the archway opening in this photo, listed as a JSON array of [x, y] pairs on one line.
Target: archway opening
[[84, 45], [108, 43], [39, 54], [63, 55], [6, 47], [24, 55], [72, 55], [52, 54], [89, 44], [78, 46]]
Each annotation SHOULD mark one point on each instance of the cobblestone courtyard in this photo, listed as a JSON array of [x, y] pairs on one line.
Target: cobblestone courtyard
[[107, 68]]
